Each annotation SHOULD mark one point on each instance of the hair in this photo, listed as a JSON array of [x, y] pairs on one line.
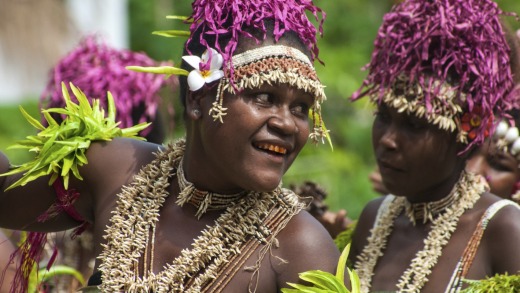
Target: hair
[[96, 69]]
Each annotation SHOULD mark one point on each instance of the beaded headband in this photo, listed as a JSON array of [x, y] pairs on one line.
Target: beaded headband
[[422, 44]]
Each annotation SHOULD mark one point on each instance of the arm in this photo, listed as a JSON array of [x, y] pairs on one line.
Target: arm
[[305, 245], [502, 240], [19, 207], [363, 227], [8, 268]]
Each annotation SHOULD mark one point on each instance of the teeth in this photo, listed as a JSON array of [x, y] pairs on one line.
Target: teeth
[[273, 148]]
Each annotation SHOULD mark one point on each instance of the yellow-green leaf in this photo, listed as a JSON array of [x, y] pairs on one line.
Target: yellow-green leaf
[[160, 70], [172, 33]]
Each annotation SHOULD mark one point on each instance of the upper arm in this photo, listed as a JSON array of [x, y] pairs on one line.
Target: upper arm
[[502, 240], [363, 227], [305, 245], [110, 165]]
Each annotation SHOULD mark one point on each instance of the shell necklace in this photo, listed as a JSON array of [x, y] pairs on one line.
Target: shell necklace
[[212, 259], [466, 192]]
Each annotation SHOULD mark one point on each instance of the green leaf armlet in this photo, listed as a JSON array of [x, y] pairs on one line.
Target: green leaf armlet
[[325, 282], [503, 283], [60, 147]]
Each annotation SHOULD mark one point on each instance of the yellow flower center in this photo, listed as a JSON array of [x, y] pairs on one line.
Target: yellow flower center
[[475, 121]]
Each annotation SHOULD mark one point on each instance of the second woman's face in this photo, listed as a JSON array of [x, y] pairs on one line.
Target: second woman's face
[[414, 157], [263, 132], [499, 168]]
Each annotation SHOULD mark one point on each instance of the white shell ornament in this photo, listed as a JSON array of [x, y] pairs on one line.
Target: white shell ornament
[[512, 134], [501, 129], [515, 148]]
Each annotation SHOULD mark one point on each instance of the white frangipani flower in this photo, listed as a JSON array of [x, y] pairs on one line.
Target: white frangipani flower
[[207, 68]]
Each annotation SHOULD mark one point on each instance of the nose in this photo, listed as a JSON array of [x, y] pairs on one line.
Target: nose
[[388, 138], [283, 122]]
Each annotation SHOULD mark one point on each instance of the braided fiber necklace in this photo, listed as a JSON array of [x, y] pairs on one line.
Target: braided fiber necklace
[[213, 258]]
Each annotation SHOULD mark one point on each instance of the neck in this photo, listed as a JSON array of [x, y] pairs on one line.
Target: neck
[[437, 191], [200, 171]]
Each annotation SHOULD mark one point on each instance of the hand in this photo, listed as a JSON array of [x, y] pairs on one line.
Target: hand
[[335, 223], [377, 182]]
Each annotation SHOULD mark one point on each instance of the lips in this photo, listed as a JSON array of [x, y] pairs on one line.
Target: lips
[[273, 148], [390, 166]]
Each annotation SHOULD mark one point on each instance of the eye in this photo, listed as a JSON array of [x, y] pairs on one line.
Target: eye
[[263, 98], [301, 109], [416, 124], [382, 115]]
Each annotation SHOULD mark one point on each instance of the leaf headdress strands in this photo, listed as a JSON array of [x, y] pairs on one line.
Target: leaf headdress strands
[[443, 39]]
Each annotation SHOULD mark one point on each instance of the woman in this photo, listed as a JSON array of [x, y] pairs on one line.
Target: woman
[[439, 74], [497, 160], [207, 213], [98, 68]]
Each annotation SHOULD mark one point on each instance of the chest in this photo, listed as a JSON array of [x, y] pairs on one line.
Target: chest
[[406, 251]]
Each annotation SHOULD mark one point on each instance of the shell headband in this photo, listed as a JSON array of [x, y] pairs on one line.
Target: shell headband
[[422, 44]]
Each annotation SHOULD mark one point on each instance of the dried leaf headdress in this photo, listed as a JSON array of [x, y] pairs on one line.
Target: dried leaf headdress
[[445, 60], [213, 21]]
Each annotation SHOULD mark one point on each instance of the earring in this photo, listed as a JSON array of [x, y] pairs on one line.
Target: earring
[[196, 112]]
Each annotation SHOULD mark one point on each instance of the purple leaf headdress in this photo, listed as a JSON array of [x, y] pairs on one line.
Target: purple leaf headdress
[[97, 69], [445, 60], [219, 25]]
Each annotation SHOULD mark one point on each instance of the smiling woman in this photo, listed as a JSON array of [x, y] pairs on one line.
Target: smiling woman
[[206, 213]]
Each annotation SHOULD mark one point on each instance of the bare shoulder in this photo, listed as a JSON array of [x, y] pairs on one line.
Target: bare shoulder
[[110, 165], [364, 224], [305, 245], [502, 239], [120, 157]]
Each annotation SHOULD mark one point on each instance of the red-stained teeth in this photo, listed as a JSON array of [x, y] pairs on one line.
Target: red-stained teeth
[[273, 148]]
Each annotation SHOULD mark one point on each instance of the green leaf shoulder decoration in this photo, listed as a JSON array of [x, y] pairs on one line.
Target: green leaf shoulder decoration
[[60, 147], [325, 282], [497, 284]]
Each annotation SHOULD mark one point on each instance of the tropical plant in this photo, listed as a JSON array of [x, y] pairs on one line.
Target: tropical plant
[[325, 282]]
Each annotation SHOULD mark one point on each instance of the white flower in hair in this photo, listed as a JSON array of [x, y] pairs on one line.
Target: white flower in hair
[[207, 68]]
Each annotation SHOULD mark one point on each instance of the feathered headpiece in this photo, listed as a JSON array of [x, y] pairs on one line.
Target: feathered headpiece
[[445, 60], [97, 69], [211, 22]]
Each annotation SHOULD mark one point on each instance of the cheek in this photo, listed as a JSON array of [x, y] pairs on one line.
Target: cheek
[[502, 183], [303, 133]]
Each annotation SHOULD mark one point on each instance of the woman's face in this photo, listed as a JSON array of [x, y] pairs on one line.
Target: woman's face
[[498, 167], [263, 132], [414, 157]]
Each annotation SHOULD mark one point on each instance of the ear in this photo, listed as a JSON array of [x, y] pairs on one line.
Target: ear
[[194, 104]]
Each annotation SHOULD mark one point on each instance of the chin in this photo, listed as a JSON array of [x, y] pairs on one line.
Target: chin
[[266, 185]]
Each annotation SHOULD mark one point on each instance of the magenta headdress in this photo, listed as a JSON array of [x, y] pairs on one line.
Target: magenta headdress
[[445, 60], [212, 18], [218, 25], [97, 68]]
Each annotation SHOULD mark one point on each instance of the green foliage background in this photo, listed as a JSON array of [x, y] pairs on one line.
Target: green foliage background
[[346, 46]]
